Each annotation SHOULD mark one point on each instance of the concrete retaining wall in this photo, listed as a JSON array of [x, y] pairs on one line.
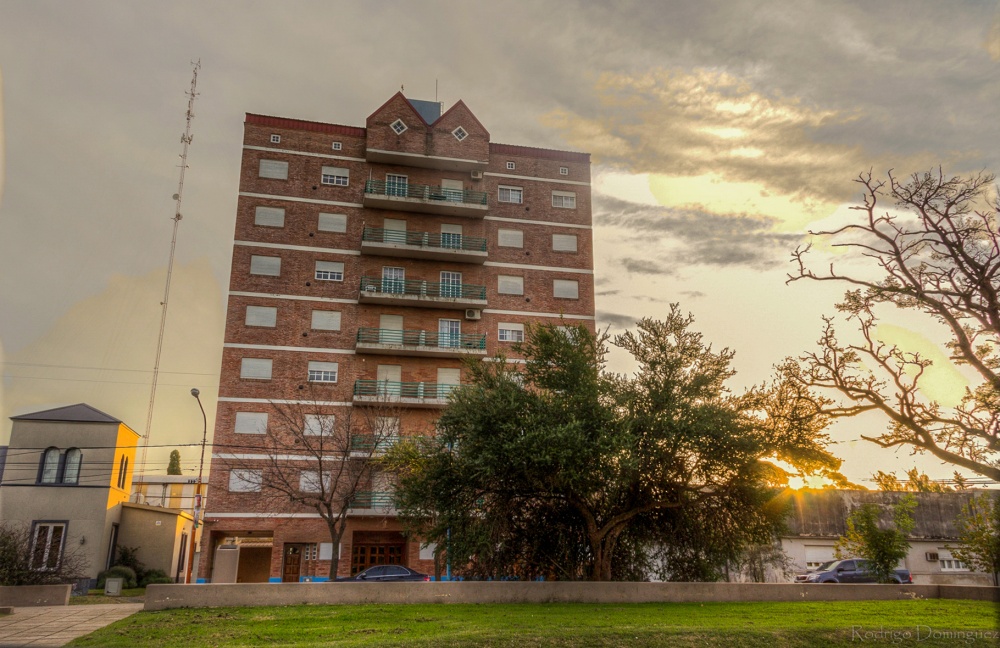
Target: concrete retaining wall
[[161, 597], [34, 595]]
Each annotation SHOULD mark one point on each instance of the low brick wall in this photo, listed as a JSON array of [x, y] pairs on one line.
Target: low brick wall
[[162, 597], [34, 595]]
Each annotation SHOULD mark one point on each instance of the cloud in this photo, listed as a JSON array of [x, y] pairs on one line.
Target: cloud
[[607, 293], [694, 237], [693, 294], [615, 320]]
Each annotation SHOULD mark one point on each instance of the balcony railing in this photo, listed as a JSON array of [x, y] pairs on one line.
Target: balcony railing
[[424, 192], [418, 288], [422, 339], [372, 500], [424, 239], [402, 390], [367, 443]]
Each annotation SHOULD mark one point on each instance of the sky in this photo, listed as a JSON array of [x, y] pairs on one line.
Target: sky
[[720, 134]]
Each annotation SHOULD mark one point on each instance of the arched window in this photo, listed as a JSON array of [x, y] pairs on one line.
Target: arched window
[[71, 467], [50, 466]]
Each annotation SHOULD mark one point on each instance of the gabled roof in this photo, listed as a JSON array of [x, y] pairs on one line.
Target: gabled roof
[[79, 413]]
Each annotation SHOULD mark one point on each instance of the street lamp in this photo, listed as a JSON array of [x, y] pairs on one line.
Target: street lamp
[[197, 494]]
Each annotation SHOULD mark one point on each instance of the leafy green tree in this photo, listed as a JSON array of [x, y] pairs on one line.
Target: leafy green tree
[[932, 249], [882, 545], [979, 532], [559, 469], [174, 467]]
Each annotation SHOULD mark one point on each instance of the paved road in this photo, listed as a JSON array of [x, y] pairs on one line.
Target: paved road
[[57, 625]]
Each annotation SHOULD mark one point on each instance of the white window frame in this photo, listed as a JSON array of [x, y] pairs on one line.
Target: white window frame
[[318, 425], [250, 423], [47, 563], [566, 286], [265, 216], [333, 316], [337, 146], [273, 169], [245, 481], [332, 223], [275, 139], [335, 176], [398, 127], [510, 280], [511, 166], [329, 271], [949, 563], [563, 170], [266, 266], [510, 235], [511, 193], [255, 315], [253, 368], [564, 243], [323, 372], [460, 133], [564, 199], [510, 332]]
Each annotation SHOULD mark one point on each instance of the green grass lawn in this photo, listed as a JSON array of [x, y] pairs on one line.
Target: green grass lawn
[[562, 624]]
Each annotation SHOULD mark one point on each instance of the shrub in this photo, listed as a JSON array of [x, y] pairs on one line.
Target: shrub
[[153, 576], [129, 557], [118, 571]]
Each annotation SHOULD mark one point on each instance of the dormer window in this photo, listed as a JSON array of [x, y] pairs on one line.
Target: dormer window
[[398, 126], [459, 133]]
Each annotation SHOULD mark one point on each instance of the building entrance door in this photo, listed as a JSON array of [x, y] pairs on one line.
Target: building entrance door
[[376, 548], [292, 563]]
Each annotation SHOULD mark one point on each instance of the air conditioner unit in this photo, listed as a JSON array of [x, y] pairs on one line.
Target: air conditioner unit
[[931, 556], [477, 175], [473, 314]]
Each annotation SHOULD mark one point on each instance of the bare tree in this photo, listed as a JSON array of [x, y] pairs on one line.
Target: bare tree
[[937, 253], [320, 458]]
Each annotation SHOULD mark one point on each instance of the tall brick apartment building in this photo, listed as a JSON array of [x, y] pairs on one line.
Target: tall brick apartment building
[[374, 261]]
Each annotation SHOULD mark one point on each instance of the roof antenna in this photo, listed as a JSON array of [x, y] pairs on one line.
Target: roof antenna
[[401, 87], [436, 91]]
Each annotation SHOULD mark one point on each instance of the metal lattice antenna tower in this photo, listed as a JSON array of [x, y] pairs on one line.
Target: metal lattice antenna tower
[[186, 141]]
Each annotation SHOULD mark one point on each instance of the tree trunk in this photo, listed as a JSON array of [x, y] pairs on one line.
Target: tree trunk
[[602, 546]]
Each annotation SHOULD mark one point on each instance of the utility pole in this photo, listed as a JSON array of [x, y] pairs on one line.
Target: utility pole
[[186, 141]]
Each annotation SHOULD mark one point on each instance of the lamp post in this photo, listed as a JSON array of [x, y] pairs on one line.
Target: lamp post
[[197, 487]]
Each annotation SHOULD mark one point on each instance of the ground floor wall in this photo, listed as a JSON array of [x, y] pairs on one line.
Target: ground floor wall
[[282, 549], [930, 561]]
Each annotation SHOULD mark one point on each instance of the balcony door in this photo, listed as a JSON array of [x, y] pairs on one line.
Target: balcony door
[[452, 190], [449, 333], [393, 231], [389, 377], [447, 379], [396, 185], [393, 280], [451, 237], [451, 284], [390, 329]]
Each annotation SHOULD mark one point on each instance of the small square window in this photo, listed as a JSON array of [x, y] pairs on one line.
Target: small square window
[[398, 127], [332, 222], [262, 316], [256, 368], [267, 266], [269, 217], [510, 166], [565, 289], [337, 146], [276, 139], [563, 171], [250, 423], [509, 285], [510, 238], [459, 133], [325, 320], [274, 169]]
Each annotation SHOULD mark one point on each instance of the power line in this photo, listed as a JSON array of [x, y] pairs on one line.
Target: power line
[[91, 380], [57, 366]]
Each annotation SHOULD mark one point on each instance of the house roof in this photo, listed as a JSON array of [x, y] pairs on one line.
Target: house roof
[[79, 413]]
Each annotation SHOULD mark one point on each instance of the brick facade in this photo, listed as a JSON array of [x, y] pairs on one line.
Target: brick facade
[[436, 159]]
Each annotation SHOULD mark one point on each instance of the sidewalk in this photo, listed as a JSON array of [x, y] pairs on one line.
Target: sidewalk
[[58, 625]]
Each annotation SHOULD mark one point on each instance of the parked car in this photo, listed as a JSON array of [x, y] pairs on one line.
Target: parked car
[[847, 571], [385, 574]]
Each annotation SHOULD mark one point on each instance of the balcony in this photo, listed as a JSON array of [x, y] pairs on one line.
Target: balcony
[[416, 292], [408, 394], [425, 161], [365, 444], [382, 501], [423, 245], [402, 196], [426, 344]]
